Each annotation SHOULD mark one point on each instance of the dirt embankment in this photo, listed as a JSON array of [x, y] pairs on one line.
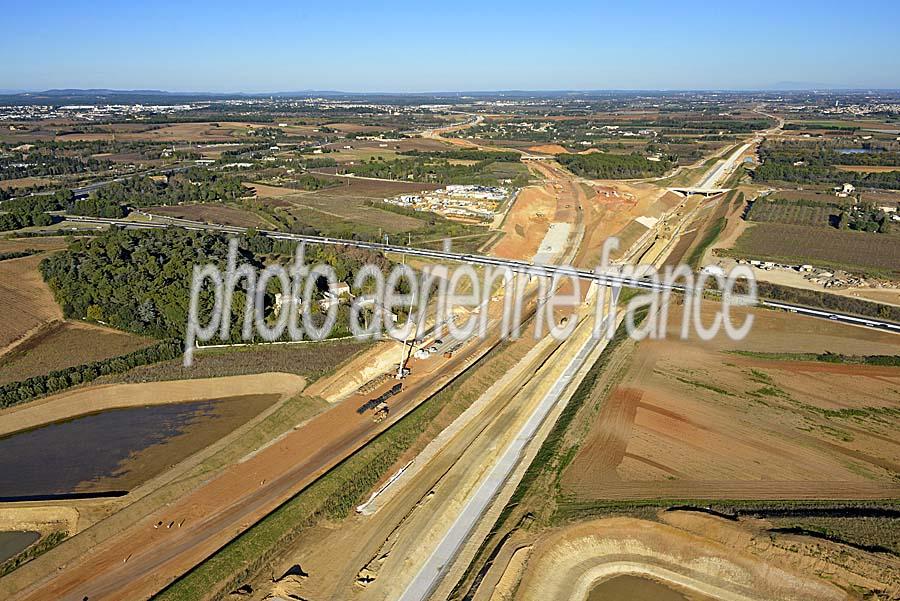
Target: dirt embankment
[[568, 563], [42, 518], [113, 396], [372, 363]]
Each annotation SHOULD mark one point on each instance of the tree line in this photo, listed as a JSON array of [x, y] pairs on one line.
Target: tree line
[[424, 169], [468, 154], [58, 380]]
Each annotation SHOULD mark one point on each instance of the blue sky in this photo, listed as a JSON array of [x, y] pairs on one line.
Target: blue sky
[[443, 46]]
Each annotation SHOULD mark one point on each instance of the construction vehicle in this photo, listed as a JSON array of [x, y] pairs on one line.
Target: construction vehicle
[[381, 412], [379, 400], [402, 369]]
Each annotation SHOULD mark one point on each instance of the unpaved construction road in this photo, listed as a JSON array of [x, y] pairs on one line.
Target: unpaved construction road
[[218, 511]]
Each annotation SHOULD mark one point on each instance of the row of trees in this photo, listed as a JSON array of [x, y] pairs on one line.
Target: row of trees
[[423, 169], [311, 182], [468, 154], [26, 390]]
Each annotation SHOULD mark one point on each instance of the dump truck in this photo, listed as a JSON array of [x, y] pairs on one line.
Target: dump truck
[[381, 412]]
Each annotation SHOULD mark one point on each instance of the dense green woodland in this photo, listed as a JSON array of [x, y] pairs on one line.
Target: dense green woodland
[[140, 280], [815, 164], [194, 185], [600, 165], [27, 211]]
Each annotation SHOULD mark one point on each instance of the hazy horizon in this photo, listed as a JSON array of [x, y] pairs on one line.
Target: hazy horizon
[[411, 48]]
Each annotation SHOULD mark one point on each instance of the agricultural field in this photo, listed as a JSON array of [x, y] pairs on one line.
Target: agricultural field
[[65, 344], [211, 213], [354, 209], [343, 210], [179, 132], [756, 419], [797, 213], [799, 244], [310, 360], [868, 168], [27, 302], [12, 245]]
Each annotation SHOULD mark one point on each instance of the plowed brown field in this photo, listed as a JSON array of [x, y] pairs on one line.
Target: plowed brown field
[[693, 419], [26, 301]]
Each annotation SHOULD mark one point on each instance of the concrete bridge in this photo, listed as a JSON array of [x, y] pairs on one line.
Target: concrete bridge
[[704, 191]]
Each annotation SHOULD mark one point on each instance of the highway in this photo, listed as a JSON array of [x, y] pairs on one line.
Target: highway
[[602, 279], [84, 191], [441, 558]]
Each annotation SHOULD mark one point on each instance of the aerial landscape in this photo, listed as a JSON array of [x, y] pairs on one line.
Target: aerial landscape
[[477, 302]]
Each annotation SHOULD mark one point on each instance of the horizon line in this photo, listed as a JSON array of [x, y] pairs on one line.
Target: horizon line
[[772, 89]]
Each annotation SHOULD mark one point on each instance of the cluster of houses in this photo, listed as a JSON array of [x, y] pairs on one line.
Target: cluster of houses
[[456, 201]]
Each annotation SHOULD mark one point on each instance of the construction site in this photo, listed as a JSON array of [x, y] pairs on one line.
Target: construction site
[[439, 466]]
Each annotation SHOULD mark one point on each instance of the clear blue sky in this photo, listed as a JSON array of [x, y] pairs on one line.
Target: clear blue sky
[[442, 46]]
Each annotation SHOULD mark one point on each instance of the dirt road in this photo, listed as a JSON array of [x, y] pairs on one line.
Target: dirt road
[[244, 493]]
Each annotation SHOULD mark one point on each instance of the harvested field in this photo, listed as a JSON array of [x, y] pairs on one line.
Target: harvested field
[[868, 168], [798, 244], [347, 208], [24, 182], [211, 213], [38, 243], [26, 300], [693, 419], [65, 344], [186, 132]]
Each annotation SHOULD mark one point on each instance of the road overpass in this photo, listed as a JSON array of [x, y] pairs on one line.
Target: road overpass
[[704, 191], [710, 185]]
